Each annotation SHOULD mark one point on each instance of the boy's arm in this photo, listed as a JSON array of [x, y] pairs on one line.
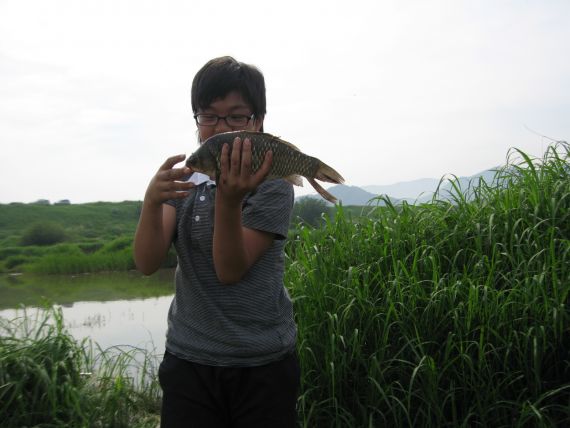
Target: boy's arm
[[237, 248], [153, 236], [157, 221]]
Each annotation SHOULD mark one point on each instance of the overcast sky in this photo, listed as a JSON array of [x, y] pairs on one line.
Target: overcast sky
[[94, 95]]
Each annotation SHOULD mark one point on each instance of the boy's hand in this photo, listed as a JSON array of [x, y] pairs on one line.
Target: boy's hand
[[236, 178], [165, 184]]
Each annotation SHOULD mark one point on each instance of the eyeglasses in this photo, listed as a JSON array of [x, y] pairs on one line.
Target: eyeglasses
[[233, 120]]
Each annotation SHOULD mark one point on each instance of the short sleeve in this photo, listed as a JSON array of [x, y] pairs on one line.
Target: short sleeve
[[172, 203], [269, 207]]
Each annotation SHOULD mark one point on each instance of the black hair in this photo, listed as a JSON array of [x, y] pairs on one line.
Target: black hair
[[220, 76]]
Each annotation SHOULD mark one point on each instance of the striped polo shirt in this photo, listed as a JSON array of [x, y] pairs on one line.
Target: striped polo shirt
[[248, 323]]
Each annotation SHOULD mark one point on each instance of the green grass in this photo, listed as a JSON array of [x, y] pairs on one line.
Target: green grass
[[74, 258], [48, 379], [452, 313], [97, 237], [81, 221]]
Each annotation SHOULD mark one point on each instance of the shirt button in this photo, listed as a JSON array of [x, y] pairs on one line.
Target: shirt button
[[202, 198], [197, 218]]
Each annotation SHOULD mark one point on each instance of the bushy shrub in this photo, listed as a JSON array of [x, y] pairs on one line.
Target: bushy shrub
[[65, 258], [90, 247], [118, 244], [9, 251], [14, 261], [43, 233], [309, 211]]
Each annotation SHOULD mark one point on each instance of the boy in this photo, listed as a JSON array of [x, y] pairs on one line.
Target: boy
[[230, 349]]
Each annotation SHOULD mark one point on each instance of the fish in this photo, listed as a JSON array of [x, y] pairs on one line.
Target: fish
[[288, 162]]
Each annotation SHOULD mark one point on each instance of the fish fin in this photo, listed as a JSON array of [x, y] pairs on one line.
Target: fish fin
[[321, 191], [287, 143], [328, 174], [295, 179]]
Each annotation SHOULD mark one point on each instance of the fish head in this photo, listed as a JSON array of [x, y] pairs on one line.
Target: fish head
[[202, 160]]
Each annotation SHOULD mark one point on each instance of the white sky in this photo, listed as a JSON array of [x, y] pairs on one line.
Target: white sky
[[94, 95]]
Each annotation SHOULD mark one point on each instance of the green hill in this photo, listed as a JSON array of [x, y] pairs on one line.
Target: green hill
[[81, 221], [83, 237]]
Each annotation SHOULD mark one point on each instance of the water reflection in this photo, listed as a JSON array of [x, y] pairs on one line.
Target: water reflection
[[33, 290], [118, 309], [138, 323]]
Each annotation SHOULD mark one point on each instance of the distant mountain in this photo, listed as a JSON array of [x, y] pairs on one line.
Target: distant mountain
[[350, 195], [466, 184], [420, 190], [405, 190]]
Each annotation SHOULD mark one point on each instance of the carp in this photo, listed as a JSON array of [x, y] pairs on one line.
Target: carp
[[288, 162]]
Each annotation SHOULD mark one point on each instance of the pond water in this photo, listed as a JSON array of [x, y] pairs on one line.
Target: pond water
[[111, 309]]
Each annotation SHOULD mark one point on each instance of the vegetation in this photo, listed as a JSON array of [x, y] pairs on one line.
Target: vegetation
[[71, 239], [49, 379], [95, 237], [44, 233], [445, 314], [450, 313], [310, 211], [82, 222]]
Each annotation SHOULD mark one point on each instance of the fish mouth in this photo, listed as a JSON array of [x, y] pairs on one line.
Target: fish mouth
[[191, 161]]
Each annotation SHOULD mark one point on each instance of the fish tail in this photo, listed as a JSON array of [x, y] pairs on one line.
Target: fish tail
[[321, 191], [328, 174]]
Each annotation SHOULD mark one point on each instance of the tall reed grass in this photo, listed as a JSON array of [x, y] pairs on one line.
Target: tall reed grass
[[452, 313], [48, 379]]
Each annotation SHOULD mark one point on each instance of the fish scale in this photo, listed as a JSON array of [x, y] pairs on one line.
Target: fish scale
[[288, 161]]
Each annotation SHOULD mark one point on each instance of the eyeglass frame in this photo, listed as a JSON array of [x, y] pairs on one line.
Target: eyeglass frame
[[225, 118]]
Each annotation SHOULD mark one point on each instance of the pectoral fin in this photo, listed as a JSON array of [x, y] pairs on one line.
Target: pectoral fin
[[295, 179]]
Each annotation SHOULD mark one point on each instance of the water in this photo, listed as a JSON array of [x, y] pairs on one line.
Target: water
[[112, 309], [119, 323]]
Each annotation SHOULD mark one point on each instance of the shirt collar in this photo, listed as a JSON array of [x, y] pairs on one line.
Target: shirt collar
[[198, 178]]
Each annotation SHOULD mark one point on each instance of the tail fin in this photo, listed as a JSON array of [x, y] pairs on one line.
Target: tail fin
[[328, 174], [321, 191]]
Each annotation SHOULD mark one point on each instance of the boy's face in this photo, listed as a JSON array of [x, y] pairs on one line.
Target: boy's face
[[232, 104]]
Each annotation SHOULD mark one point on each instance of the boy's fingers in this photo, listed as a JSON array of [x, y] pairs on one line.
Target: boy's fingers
[[246, 159], [175, 195], [174, 189], [236, 157], [180, 172], [171, 161], [224, 160], [173, 174], [177, 185]]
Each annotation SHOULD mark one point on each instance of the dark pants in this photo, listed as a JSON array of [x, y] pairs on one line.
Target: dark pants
[[196, 395]]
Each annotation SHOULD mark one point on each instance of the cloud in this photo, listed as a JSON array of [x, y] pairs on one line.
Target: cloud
[[383, 91], [73, 129]]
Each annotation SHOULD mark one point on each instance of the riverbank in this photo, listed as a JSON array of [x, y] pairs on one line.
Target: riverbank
[[48, 378], [34, 290]]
